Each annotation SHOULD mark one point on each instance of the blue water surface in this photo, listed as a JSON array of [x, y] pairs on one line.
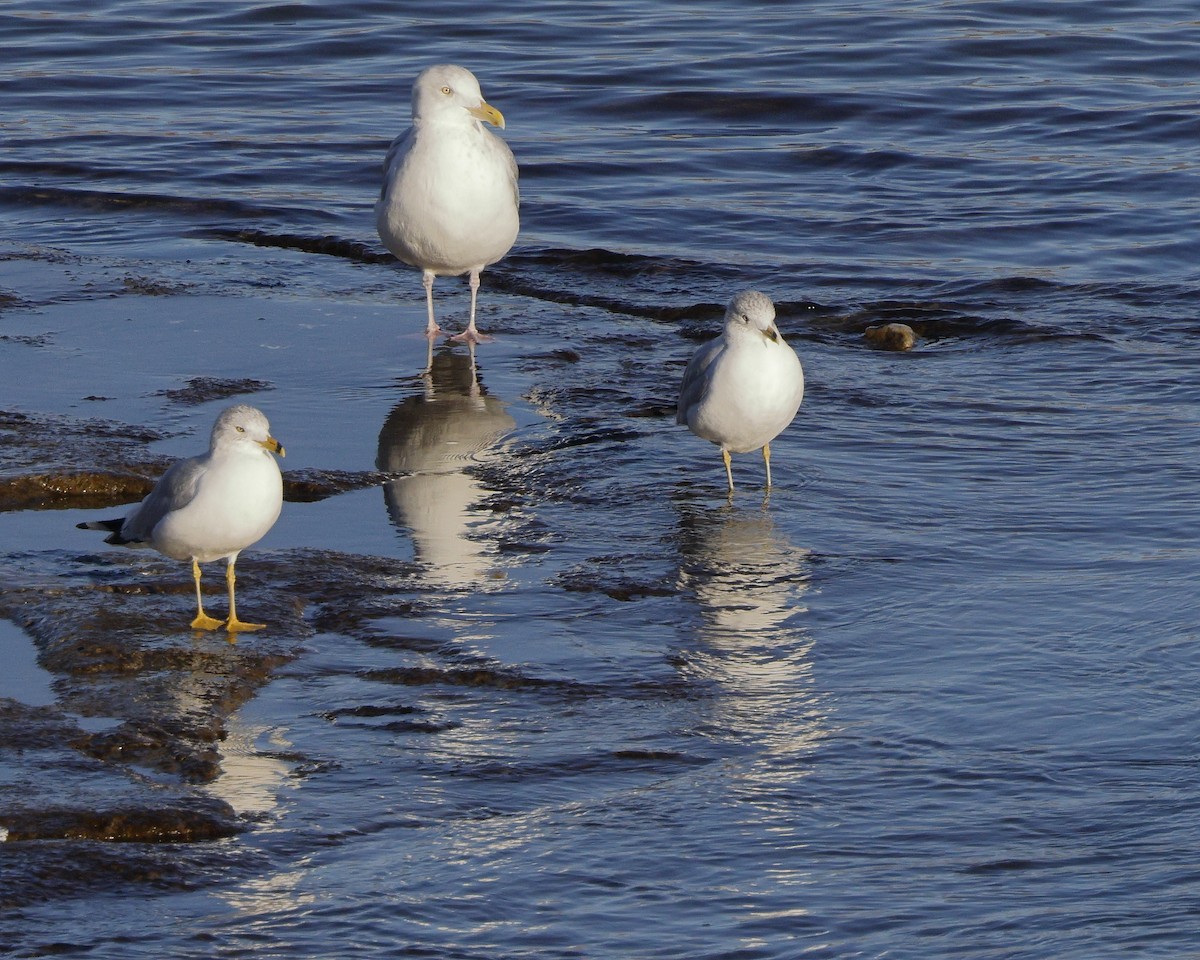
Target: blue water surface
[[934, 697]]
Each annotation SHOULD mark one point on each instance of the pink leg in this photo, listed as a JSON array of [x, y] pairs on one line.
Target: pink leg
[[431, 329], [471, 335]]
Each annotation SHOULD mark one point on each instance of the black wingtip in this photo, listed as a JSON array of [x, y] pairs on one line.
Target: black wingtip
[[112, 526]]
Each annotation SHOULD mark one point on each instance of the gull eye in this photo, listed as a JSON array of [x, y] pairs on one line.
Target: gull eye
[[447, 91], [241, 429]]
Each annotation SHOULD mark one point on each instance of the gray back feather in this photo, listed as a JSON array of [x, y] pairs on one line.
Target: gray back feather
[[175, 489], [695, 381]]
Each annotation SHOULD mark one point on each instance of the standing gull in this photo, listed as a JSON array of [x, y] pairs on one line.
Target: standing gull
[[741, 389], [211, 507], [449, 199]]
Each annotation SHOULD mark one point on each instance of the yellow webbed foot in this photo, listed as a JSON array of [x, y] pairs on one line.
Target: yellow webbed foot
[[205, 622], [233, 625]]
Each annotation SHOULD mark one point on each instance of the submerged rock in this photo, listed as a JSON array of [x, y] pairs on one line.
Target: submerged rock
[[192, 819], [40, 459], [86, 490], [891, 336], [200, 390]]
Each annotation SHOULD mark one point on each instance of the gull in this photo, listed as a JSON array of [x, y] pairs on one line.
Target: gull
[[212, 506], [449, 199], [741, 389]]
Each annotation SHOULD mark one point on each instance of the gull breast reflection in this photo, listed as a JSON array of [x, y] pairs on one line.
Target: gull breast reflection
[[749, 580], [750, 583], [434, 437]]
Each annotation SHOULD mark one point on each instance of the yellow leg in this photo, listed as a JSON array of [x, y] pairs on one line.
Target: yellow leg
[[767, 462], [728, 467], [233, 624], [203, 621]]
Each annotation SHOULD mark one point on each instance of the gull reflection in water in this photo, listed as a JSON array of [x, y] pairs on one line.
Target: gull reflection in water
[[253, 777], [252, 773], [434, 437], [750, 582]]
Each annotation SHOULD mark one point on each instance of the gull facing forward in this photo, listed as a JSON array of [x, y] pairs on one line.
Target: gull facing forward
[[211, 507], [742, 389], [449, 199]]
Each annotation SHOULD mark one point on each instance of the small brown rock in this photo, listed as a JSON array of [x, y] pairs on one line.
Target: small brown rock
[[891, 336]]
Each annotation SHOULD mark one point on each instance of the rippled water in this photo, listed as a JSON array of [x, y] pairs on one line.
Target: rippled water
[[934, 698]]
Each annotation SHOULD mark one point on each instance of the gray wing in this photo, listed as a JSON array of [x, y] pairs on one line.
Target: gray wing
[[175, 489], [396, 149], [695, 379], [513, 172]]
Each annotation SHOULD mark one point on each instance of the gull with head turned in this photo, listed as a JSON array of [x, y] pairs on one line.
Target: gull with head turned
[[743, 388], [212, 506]]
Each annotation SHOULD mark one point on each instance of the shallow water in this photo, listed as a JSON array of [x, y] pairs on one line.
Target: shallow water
[[932, 698]]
